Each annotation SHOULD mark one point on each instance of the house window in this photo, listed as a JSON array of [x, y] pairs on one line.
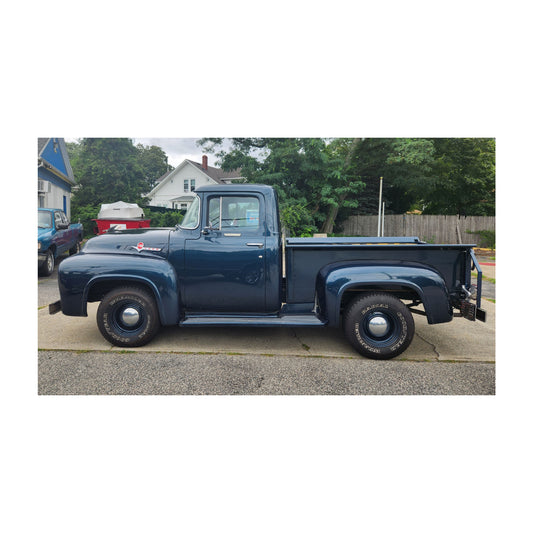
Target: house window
[[185, 185], [193, 185]]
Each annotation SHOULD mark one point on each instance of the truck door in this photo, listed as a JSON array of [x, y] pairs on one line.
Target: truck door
[[225, 267], [61, 236]]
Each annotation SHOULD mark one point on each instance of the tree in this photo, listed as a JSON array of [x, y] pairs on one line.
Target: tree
[[464, 178], [107, 170], [343, 182], [314, 177], [438, 176], [154, 163]]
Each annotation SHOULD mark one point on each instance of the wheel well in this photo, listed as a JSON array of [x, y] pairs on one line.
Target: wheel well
[[100, 288], [401, 292]]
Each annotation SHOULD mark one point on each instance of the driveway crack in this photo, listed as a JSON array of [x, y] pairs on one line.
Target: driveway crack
[[302, 344], [430, 343]]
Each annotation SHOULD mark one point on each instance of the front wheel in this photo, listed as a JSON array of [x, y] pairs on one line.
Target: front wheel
[[379, 326], [128, 316], [49, 264]]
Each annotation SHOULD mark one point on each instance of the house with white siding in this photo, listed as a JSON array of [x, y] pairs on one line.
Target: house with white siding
[[175, 189], [55, 178]]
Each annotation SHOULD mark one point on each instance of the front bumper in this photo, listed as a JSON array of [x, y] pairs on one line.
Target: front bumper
[[54, 308], [41, 258]]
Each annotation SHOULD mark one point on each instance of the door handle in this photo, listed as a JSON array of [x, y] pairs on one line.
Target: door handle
[[258, 244]]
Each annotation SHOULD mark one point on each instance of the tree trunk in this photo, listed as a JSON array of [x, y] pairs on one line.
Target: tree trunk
[[328, 225]]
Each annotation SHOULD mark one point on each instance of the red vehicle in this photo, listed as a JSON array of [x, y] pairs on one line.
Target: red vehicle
[[120, 215]]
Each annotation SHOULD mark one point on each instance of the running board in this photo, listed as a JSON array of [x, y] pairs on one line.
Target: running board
[[291, 320]]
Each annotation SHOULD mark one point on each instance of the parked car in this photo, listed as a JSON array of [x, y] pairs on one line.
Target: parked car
[[227, 264], [55, 237]]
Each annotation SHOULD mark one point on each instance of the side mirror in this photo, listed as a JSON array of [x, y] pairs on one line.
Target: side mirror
[[208, 229]]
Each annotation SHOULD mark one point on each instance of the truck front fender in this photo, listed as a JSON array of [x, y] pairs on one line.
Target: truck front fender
[[82, 276], [336, 279]]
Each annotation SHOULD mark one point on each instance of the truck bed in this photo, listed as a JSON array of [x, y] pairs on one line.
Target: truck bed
[[305, 257]]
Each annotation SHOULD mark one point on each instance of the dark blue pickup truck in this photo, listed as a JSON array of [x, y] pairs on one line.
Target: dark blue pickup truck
[[227, 264], [56, 235]]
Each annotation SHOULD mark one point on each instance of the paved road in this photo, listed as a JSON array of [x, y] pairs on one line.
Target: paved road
[[87, 373]]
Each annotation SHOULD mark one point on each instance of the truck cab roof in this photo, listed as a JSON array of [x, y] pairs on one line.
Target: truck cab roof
[[241, 188]]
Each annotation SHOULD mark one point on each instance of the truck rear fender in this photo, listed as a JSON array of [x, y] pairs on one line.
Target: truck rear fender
[[153, 273], [336, 281]]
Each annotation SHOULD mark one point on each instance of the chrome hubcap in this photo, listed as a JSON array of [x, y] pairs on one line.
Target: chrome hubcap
[[378, 326], [130, 316]]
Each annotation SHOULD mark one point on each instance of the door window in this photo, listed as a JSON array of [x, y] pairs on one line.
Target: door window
[[229, 213]]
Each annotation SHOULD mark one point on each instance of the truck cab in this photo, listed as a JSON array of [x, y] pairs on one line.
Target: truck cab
[[227, 251]]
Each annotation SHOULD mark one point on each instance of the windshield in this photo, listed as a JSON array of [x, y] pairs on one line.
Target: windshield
[[45, 219], [192, 216]]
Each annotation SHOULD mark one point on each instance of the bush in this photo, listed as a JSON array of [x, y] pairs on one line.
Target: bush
[[165, 219], [487, 238], [296, 219], [85, 214]]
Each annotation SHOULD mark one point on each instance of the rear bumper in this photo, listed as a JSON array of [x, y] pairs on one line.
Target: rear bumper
[[481, 314]]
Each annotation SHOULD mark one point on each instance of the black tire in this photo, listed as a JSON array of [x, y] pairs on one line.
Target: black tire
[[117, 313], [49, 264], [75, 249], [378, 325]]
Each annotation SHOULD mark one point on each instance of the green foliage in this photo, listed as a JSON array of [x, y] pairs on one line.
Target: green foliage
[[85, 214], [310, 175], [438, 176], [487, 238], [166, 219], [109, 170], [296, 219], [153, 162], [464, 182], [106, 171]]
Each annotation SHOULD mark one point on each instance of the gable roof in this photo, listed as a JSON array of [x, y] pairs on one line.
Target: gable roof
[[216, 174], [53, 156]]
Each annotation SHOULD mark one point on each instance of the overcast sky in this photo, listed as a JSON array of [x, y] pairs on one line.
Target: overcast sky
[[178, 149]]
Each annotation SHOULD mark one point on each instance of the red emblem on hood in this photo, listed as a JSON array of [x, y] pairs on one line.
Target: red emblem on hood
[[140, 246]]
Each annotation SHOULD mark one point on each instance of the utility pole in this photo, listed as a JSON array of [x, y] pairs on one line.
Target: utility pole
[[379, 204]]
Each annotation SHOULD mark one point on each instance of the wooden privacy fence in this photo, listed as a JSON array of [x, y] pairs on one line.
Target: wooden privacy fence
[[445, 229]]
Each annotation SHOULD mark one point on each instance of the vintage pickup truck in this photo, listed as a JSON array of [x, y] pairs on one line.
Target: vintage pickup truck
[[227, 264], [55, 237]]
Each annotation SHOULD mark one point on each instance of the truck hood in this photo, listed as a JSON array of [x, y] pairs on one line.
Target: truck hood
[[144, 241]]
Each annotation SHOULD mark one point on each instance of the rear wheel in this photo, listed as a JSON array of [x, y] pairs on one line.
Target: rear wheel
[[379, 326], [128, 316], [75, 249]]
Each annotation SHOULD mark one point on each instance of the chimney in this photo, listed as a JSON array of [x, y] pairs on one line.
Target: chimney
[[204, 162]]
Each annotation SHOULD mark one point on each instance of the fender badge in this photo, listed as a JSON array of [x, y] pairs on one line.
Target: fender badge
[[140, 246]]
